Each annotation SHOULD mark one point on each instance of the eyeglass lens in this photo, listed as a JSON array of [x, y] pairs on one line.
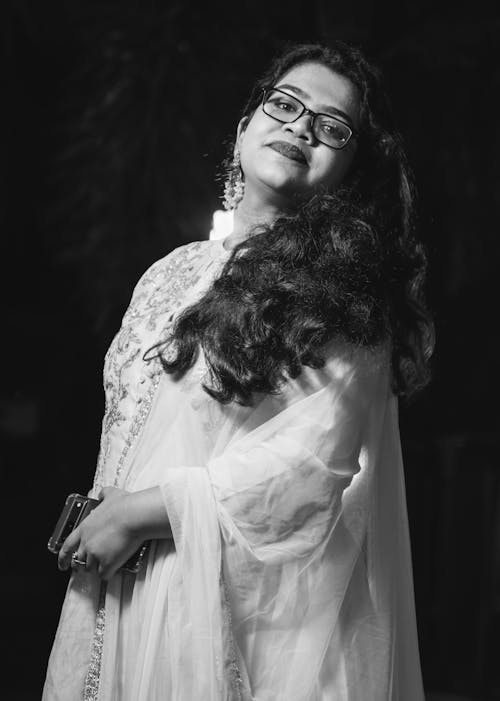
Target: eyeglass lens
[[285, 108]]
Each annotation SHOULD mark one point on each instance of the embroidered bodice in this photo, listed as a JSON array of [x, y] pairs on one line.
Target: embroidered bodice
[[131, 375]]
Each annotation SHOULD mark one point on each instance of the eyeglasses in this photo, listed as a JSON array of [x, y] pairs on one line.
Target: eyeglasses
[[286, 109]]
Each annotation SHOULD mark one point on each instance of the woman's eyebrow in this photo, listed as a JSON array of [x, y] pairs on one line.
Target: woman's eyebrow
[[322, 108]]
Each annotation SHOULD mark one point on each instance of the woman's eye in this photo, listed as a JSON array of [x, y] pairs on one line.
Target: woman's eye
[[284, 105], [333, 129]]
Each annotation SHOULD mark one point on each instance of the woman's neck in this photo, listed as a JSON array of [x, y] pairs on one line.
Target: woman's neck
[[248, 215]]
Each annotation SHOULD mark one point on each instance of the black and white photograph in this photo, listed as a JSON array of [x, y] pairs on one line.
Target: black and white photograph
[[249, 412]]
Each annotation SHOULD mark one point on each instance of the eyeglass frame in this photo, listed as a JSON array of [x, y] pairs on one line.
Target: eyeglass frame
[[306, 110]]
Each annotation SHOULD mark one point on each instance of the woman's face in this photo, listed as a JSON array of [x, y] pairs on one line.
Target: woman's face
[[270, 167]]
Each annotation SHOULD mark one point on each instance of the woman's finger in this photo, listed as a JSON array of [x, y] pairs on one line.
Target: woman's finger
[[86, 562], [69, 546], [78, 560], [92, 563]]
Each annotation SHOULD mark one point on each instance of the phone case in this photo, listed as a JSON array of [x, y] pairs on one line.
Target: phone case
[[75, 509]]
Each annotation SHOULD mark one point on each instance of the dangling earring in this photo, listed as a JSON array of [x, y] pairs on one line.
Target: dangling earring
[[234, 186]]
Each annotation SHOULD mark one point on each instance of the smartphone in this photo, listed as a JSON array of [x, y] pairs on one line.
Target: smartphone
[[75, 509]]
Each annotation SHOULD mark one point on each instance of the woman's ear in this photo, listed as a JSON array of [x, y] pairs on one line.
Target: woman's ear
[[242, 125]]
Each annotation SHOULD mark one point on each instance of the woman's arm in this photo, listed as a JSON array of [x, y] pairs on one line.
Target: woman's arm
[[146, 515], [278, 490]]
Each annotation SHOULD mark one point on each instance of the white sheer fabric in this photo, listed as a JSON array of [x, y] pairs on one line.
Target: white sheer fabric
[[289, 574]]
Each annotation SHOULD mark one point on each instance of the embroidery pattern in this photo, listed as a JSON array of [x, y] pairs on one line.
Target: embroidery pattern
[[160, 292], [137, 424]]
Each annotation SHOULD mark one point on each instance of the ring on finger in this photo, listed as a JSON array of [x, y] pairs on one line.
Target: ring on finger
[[75, 560]]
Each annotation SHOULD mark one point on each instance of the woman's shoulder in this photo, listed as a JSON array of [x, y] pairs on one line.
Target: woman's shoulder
[[181, 254], [347, 368], [176, 260], [344, 358]]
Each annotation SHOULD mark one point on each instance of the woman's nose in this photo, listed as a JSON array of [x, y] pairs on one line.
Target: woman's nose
[[301, 128]]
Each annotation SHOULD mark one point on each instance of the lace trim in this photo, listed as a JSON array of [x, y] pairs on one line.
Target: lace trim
[[137, 424]]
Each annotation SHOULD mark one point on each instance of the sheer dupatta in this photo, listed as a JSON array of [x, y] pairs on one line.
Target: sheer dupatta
[[293, 551]]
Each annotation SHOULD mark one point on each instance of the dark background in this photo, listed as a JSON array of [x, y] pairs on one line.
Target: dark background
[[114, 120]]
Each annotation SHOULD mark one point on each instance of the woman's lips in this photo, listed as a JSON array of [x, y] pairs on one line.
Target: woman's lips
[[289, 151]]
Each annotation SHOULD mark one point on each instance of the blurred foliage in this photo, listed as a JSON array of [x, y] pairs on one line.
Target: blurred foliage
[[151, 97], [139, 99]]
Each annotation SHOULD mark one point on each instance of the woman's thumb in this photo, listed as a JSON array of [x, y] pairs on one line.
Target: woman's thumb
[[107, 492]]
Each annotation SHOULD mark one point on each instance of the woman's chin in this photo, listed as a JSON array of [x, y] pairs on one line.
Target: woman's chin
[[285, 185]]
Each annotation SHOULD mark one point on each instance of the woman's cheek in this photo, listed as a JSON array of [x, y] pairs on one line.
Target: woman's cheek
[[334, 173]]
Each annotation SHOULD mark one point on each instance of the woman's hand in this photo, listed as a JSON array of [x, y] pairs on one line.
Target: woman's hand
[[104, 539], [115, 529]]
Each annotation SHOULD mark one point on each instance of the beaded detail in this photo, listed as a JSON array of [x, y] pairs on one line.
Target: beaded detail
[[230, 661], [91, 687]]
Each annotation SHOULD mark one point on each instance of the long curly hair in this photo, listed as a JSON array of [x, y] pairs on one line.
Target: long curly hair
[[344, 265]]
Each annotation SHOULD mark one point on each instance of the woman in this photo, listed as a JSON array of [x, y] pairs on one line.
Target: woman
[[251, 427]]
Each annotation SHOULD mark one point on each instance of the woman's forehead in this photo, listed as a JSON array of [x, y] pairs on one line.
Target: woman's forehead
[[322, 87]]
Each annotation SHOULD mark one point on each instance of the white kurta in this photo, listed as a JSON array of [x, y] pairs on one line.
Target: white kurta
[[289, 574]]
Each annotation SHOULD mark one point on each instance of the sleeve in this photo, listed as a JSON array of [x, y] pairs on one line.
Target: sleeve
[[278, 492], [254, 518]]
